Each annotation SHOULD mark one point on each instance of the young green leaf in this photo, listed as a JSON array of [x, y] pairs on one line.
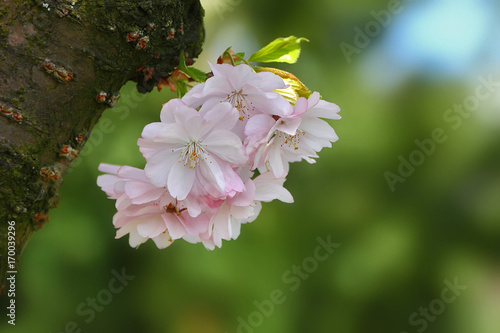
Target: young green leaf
[[196, 74], [192, 72], [181, 88], [280, 50]]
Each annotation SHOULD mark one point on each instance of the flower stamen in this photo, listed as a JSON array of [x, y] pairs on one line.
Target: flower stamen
[[192, 153], [171, 208], [238, 100], [290, 140]]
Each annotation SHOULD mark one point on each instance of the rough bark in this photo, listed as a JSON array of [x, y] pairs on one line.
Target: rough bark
[[62, 64]]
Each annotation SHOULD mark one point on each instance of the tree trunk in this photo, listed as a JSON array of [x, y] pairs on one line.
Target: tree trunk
[[62, 64]]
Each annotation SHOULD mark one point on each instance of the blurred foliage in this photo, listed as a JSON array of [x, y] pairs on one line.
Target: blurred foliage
[[397, 249]]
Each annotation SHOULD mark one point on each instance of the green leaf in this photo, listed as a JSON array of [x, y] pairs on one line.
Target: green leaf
[[280, 50], [181, 88], [192, 72], [196, 74]]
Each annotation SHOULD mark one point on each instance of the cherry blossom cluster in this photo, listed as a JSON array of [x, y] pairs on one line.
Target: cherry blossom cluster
[[217, 154]]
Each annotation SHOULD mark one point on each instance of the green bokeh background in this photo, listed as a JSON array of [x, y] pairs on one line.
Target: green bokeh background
[[396, 248]]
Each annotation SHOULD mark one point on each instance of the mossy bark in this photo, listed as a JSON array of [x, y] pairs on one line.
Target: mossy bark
[[62, 64]]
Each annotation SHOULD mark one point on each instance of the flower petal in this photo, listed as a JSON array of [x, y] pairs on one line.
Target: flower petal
[[108, 168], [135, 239], [221, 225], [301, 106], [222, 116], [259, 125], [194, 97], [175, 226], [241, 213], [319, 128], [107, 184], [128, 172], [269, 188], [168, 109], [152, 226], [226, 145], [241, 76], [141, 192], [234, 183], [163, 240], [268, 81], [212, 173], [159, 165], [323, 109], [223, 70], [196, 128], [180, 180], [288, 125], [152, 130], [269, 103], [246, 197], [218, 87], [275, 160]]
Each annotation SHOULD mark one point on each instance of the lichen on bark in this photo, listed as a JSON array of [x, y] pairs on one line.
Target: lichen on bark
[[62, 63]]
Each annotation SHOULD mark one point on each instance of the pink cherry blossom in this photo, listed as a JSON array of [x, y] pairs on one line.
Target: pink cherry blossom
[[199, 182], [135, 215], [274, 141], [226, 221], [193, 152], [250, 92], [146, 211]]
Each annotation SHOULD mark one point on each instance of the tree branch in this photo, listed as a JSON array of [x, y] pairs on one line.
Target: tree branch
[[62, 63]]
